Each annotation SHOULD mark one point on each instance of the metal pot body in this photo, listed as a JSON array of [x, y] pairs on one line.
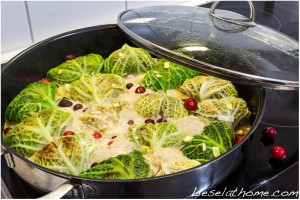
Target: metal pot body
[[188, 184], [32, 65]]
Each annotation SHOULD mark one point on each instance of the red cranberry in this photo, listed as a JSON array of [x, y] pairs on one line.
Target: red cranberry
[[130, 122], [65, 103], [190, 104], [269, 132], [97, 135], [140, 90], [45, 80], [78, 106], [110, 142], [129, 85], [160, 120], [238, 138], [278, 152], [67, 133], [70, 57], [147, 121], [7, 130]]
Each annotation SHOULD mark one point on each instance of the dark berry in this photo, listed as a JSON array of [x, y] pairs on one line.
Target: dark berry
[[97, 135], [269, 132], [190, 104], [130, 122], [94, 164], [45, 80], [68, 133], [160, 120], [140, 90], [129, 85], [65, 103], [147, 121], [238, 138], [7, 130], [278, 152], [78, 106], [70, 57]]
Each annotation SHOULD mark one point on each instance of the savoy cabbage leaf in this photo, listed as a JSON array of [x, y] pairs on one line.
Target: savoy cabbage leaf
[[124, 166], [215, 139], [31, 100], [128, 60], [68, 154], [208, 87], [72, 70], [100, 117], [155, 104], [34, 132], [169, 160], [166, 75], [230, 110], [95, 88], [156, 136]]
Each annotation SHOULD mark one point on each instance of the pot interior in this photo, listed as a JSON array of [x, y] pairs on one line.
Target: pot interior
[[32, 64]]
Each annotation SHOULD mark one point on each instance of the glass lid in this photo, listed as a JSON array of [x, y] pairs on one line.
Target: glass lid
[[216, 42]]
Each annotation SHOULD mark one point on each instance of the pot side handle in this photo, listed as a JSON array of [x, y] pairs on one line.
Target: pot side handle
[[60, 191]]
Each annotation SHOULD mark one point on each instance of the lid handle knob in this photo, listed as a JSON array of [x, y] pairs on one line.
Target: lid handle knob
[[249, 22]]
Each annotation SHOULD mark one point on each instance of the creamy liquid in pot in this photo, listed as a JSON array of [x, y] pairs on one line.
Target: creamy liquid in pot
[[114, 141], [114, 126]]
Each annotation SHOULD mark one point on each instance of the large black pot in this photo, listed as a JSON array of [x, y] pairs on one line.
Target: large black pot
[[32, 65]]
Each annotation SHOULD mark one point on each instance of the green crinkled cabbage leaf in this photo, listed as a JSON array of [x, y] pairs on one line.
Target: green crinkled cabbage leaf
[[72, 70], [128, 60], [169, 161], [94, 88], [216, 135], [230, 110], [208, 87], [170, 168], [68, 154], [166, 75], [124, 166], [32, 99], [34, 132], [154, 104], [156, 136], [99, 117]]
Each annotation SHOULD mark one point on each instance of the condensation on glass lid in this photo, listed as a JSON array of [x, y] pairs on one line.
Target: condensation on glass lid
[[255, 55]]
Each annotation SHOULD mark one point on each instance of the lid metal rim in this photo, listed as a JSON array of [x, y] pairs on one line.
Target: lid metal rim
[[232, 75]]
